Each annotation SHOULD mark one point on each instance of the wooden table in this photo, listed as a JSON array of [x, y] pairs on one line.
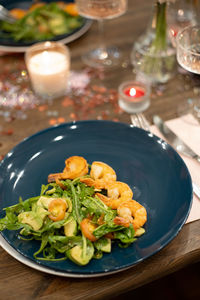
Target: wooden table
[[18, 281]]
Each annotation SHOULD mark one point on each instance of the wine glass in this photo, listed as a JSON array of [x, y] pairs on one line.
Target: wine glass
[[181, 13], [100, 10], [188, 56]]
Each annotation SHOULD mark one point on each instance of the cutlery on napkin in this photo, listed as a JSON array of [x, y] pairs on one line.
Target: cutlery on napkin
[[178, 144], [189, 132], [174, 140]]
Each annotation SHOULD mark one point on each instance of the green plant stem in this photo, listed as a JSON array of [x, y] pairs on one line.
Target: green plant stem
[[160, 41]]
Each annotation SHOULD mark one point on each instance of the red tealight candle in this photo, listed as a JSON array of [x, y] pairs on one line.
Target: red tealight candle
[[134, 92], [134, 96]]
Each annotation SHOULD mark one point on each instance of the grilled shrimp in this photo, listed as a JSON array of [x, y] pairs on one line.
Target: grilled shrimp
[[101, 174], [131, 212], [75, 166], [117, 192]]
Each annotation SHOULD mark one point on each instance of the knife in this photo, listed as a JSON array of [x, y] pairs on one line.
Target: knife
[[173, 139], [196, 189]]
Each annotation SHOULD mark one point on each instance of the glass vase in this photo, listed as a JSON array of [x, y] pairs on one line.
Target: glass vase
[[153, 56]]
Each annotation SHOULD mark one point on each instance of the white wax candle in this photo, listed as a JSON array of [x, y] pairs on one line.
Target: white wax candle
[[49, 71]]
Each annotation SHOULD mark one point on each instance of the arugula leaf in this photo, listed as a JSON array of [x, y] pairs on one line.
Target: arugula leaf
[[126, 235], [97, 254], [76, 211], [64, 243], [10, 221], [106, 228]]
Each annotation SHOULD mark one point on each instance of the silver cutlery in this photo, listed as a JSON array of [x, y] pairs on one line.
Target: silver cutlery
[[140, 121], [196, 189], [5, 15], [173, 139]]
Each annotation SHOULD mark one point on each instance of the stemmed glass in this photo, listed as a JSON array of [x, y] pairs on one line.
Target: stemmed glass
[[100, 10], [188, 56], [182, 13], [188, 49]]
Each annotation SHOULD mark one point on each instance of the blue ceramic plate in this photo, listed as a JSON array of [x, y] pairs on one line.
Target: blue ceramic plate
[[156, 173], [9, 45]]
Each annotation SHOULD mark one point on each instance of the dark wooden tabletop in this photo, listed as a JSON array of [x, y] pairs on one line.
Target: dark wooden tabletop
[[18, 281]]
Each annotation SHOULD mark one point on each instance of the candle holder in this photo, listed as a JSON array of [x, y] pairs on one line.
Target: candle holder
[[48, 65], [134, 96]]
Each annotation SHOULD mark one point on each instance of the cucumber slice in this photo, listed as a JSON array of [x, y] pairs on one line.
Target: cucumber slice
[[140, 231], [44, 201], [75, 254], [70, 229], [107, 246], [103, 244]]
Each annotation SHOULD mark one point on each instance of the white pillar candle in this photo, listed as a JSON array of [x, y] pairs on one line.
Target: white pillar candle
[[48, 69]]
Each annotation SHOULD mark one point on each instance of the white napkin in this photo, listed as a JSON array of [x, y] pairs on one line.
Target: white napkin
[[188, 129]]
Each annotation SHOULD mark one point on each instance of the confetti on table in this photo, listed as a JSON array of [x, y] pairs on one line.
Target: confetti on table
[[7, 132], [86, 97]]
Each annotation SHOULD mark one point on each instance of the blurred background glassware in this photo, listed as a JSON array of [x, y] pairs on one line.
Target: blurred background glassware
[[153, 56], [101, 10], [188, 57], [188, 48], [182, 13]]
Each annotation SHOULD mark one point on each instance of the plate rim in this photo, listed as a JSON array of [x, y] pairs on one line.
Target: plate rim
[[36, 264]]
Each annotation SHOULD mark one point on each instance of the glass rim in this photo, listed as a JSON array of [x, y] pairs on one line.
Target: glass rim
[[179, 45], [47, 45]]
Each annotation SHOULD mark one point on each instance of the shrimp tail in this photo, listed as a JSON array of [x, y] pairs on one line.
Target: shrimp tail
[[58, 182], [91, 182], [54, 177], [121, 221], [103, 198]]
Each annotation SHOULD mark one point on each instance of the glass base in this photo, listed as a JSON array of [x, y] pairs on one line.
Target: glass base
[[103, 58], [155, 69]]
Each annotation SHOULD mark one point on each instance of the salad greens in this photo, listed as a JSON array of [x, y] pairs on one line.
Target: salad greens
[[42, 23], [63, 238]]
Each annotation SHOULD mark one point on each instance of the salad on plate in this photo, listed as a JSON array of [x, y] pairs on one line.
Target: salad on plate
[[42, 21], [79, 214]]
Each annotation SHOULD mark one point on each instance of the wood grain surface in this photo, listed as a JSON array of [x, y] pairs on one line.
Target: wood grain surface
[[18, 281]]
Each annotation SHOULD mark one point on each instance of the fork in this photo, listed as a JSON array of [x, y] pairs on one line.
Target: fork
[[5, 15], [139, 120]]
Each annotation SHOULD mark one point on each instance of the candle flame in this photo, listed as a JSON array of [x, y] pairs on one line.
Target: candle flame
[[132, 92]]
